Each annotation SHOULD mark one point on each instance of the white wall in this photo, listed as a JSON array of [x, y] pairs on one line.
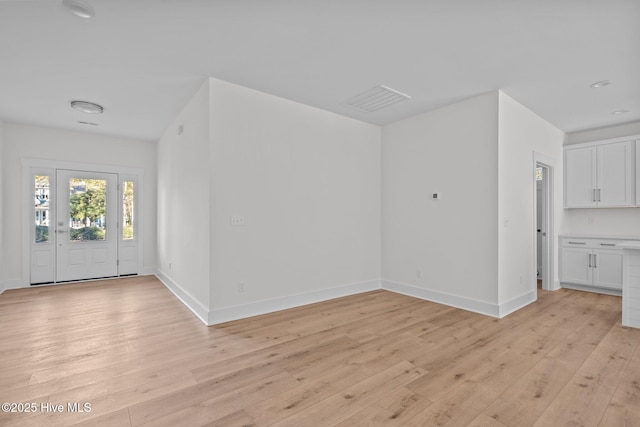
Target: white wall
[[2, 167], [522, 132], [453, 241], [25, 141], [615, 221], [308, 184], [183, 204]]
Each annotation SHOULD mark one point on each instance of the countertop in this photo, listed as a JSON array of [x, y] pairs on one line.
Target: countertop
[[600, 236], [629, 245]]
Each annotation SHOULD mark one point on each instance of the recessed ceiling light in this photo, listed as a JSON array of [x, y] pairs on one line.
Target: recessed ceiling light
[[618, 112], [87, 107], [79, 8], [601, 83]]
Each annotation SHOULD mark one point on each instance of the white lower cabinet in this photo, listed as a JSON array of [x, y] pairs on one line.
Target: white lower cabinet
[[608, 268], [576, 267], [591, 264]]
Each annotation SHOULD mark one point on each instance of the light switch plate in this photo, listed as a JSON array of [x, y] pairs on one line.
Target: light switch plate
[[237, 220]]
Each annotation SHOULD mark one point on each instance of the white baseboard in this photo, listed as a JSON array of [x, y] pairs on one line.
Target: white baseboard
[[517, 303], [227, 314], [148, 271], [605, 291], [468, 304], [192, 304], [13, 284]]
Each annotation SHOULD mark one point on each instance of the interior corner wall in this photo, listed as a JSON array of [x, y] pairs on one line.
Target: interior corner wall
[[610, 221], [521, 133], [27, 141], [307, 183], [446, 249], [183, 204]]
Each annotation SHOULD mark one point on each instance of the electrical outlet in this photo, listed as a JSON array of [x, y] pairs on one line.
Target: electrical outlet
[[240, 287], [237, 220], [419, 274]]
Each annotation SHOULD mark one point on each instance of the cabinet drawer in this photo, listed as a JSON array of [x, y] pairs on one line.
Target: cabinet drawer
[[578, 243], [607, 244]]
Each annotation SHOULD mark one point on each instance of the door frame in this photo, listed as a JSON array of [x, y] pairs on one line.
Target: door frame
[[31, 165], [548, 205]]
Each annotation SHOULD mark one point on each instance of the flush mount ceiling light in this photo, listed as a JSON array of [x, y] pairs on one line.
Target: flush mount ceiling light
[[79, 8], [87, 107], [618, 112], [601, 83], [376, 98]]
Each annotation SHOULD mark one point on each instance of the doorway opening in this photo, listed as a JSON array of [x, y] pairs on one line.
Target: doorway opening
[[543, 223], [86, 222]]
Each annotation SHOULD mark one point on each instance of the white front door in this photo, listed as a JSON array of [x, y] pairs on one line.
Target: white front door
[[86, 225]]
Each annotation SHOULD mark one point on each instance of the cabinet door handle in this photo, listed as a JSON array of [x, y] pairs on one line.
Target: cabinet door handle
[[590, 255], [593, 195], [577, 243], [595, 261], [599, 190], [607, 244]]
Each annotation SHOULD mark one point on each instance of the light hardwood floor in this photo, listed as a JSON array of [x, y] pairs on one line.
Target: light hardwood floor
[[139, 357]]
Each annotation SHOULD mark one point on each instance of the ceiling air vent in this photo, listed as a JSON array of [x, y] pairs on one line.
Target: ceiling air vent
[[375, 99]]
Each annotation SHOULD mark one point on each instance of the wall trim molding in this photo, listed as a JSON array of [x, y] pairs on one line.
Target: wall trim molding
[[12, 284], [192, 304], [227, 314], [517, 303], [148, 271], [481, 307], [256, 308], [604, 291]]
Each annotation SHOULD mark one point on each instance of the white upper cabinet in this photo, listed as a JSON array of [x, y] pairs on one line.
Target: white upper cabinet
[[600, 175], [616, 174], [580, 177]]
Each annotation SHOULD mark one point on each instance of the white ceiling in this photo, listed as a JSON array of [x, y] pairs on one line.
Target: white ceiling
[[144, 59]]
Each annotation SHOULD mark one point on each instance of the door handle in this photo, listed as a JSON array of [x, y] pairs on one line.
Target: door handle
[[595, 261], [599, 190], [590, 260], [60, 230]]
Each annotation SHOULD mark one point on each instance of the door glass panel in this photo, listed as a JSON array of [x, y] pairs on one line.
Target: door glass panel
[[41, 186], [127, 210], [87, 209]]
